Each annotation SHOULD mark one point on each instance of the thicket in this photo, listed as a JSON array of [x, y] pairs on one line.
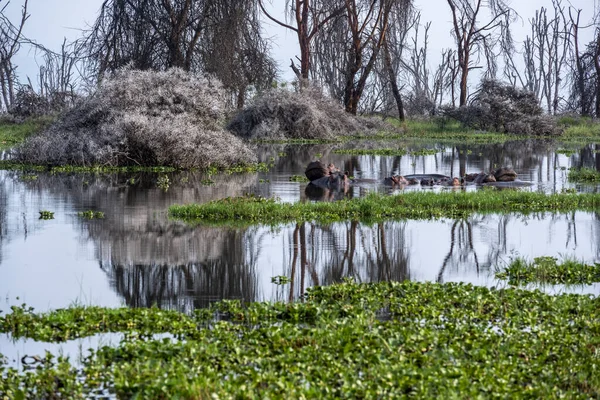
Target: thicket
[[143, 118], [281, 114], [504, 108]]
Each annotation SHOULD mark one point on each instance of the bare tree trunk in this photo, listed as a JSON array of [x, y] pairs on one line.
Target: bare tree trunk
[[597, 68], [393, 80]]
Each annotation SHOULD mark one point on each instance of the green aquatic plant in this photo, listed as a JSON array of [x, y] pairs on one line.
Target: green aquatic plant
[[90, 214], [28, 177], [424, 152], [280, 280], [377, 207], [298, 178], [380, 340], [372, 152], [45, 214], [163, 182], [583, 175], [548, 270], [566, 152], [103, 169]]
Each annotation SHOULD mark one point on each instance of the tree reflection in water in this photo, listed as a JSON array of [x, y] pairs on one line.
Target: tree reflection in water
[[325, 254]]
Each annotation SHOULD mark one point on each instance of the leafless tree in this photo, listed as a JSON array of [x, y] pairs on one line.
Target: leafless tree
[[221, 36], [473, 37], [10, 43], [584, 95], [544, 54], [307, 17]]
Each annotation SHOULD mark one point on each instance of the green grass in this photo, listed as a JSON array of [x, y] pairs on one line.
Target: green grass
[[583, 175], [375, 207], [12, 133], [434, 341], [548, 270]]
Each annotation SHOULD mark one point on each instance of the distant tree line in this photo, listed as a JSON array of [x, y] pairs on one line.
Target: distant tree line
[[370, 55]]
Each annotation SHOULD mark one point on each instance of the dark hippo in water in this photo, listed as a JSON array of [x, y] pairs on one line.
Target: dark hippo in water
[[332, 181], [505, 175], [501, 177], [395, 180]]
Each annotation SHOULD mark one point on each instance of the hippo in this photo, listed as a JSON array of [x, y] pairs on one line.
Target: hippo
[[505, 174], [332, 181], [395, 180]]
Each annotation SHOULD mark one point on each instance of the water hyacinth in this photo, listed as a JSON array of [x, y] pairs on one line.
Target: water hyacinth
[[451, 341]]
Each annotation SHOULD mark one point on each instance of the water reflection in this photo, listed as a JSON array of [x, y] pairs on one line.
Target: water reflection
[[138, 257]]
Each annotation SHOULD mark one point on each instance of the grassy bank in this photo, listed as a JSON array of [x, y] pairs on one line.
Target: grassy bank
[[387, 340], [12, 133], [413, 205]]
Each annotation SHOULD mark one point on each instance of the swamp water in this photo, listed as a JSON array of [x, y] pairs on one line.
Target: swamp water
[[137, 257]]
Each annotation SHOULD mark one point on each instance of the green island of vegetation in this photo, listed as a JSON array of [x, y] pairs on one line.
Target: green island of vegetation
[[546, 269], [373, 207], [583, 175], [349, 340]]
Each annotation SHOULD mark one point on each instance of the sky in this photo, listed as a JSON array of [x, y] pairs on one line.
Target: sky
[[52, 20]]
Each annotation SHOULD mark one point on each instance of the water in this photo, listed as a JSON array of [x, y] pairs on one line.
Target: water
[[137, 257]]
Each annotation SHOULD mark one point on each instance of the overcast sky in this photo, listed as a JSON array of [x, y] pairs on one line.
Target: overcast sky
[[52, 20]]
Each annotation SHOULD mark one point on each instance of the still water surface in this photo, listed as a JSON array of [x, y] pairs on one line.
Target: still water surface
[[137, 257]]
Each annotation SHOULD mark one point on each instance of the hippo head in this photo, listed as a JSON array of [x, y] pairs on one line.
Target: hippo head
[[337, 180]]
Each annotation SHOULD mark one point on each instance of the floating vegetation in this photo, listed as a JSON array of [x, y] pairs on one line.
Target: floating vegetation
[[102, 169], [566, 152], [583, 175], [90, 214], [372, 152], [280, 280], [207, 182], [451, 341], [377, 207], [163, 182], [298, 178], [548, 270], [28, 177], [45, 214], [424, 152]]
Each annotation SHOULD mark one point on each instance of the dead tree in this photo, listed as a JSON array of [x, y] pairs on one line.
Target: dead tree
[[308, 18], [473, 37], [581, 96], [10, 43], [222, 37], [544, 54]]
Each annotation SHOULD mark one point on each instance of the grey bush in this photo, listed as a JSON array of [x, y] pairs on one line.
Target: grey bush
[[143, 118], [282, 114], [504, 108]]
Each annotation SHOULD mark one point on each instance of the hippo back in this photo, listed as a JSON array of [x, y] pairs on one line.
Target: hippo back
[[315, 170]]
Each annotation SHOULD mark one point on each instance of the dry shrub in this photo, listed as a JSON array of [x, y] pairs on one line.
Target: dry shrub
[[504, 108], [282, 114], [143, 118]]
